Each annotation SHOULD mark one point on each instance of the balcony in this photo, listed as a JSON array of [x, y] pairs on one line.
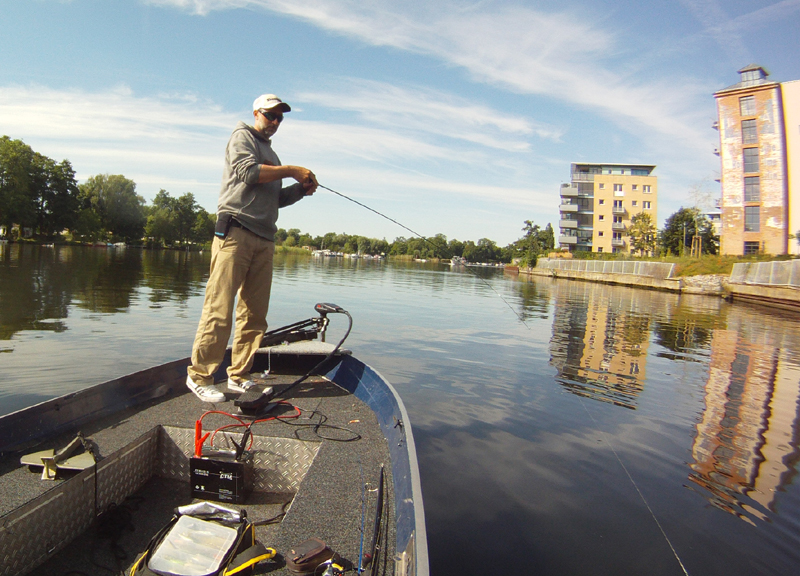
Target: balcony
[[568, 191], [568, 223], [582, 177], [618, 226], [567, 239], [618, 210], [568, 207], [617, 242]]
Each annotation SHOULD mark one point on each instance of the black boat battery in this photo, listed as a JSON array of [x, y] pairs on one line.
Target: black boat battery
[[221, 477]]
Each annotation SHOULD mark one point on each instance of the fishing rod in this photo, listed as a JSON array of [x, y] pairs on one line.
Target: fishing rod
[[435, 247], [371, 559]]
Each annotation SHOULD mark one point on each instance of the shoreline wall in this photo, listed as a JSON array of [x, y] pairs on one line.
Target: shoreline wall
[[748, 282]]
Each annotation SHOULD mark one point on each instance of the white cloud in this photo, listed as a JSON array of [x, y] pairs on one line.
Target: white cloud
[[434, 112], [563, 55], [156, 142]]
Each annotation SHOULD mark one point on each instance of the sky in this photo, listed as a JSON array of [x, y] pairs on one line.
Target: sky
[[454, 118]]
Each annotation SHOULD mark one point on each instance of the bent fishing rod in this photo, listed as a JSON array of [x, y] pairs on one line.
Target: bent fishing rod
[[434, 246]]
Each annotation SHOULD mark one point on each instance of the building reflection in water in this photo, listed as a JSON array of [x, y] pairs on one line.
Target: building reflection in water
[[745, 449], [600, 341], [745, 444]]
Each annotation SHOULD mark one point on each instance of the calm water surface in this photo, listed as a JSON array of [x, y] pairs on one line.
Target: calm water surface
[[611, 431]]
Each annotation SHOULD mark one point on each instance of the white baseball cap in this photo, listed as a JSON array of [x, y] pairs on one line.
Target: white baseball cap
[[270, 101]]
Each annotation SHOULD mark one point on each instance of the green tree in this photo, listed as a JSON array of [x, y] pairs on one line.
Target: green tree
[[55, 195], [676, 237], [185, 216], [399, 247], [455, 248], [642, 233], [532, 243], [36, 191], [547, 238], [161, 219], [204, 224], [709, 239], [17, 205], [121, 211]]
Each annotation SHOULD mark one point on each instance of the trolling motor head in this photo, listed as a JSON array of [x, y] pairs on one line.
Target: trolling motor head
[[325, 308]]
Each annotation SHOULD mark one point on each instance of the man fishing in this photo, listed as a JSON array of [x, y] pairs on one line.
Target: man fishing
[[243, 249]]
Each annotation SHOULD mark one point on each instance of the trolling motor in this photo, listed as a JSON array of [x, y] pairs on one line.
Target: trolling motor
[[255, 401]]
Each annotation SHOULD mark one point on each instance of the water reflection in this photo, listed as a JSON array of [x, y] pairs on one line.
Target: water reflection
[[38, 284], [601, 337], [746, 448]]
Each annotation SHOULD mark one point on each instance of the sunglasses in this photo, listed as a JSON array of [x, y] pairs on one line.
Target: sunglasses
[[272, 116]]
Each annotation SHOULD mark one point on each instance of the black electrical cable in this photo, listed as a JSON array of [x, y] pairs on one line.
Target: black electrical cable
[[275, 519], [330, 355], [435, 247], [322, 424]]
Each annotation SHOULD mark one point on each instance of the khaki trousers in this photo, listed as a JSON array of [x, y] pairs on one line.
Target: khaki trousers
[[241, 263]]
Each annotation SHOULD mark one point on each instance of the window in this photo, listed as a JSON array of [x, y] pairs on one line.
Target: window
[[634, 203], [601, 186], [617, 187], [634, 186], [751, 160], [646, 188], [618, 206], [747, 105], [599, 248], [600, 233], [752, 218], [617, 236], [646, 205], [749, 132], [601, 217], [752, 189], [601, 201], [751, 248]]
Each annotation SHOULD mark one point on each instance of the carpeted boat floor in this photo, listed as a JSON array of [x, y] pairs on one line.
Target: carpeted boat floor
[[336, 497]]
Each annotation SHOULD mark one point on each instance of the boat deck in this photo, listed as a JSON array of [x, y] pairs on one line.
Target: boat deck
[[313, 468]]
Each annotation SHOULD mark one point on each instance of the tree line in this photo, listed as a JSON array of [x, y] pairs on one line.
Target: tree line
[[41, 196]]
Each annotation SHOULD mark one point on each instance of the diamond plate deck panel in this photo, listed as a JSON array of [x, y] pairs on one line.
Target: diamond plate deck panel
[[34, 532], [280, 464]]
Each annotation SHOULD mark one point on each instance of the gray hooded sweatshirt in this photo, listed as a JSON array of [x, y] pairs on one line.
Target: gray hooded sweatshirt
[[254, 205]]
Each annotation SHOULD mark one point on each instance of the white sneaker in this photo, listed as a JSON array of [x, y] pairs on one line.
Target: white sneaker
[[243, 386], [205, 393]]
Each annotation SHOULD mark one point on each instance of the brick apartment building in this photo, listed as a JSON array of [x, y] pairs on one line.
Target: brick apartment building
[[759, 131]]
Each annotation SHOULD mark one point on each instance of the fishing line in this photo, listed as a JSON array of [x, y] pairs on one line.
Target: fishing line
[[435, 247], [610, 445]]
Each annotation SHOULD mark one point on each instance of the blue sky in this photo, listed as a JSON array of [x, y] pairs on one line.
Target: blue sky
[[460, 118]]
